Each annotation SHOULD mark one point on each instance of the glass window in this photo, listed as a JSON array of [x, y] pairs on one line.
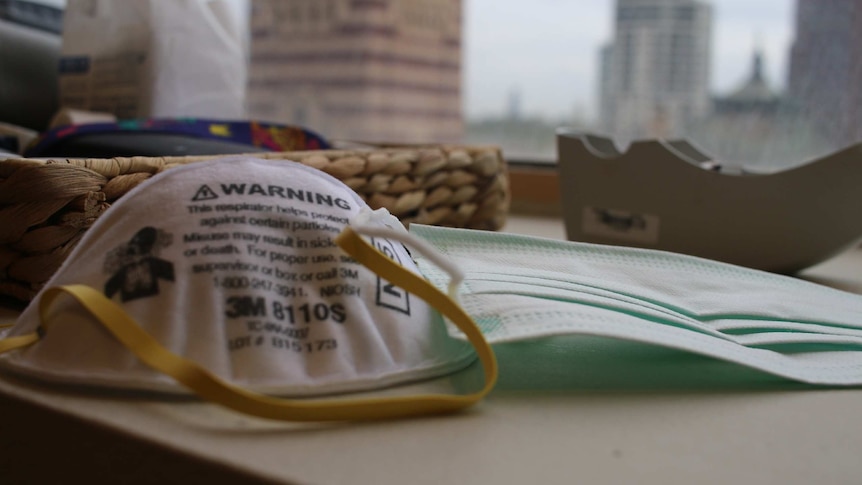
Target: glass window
[[771, 83]]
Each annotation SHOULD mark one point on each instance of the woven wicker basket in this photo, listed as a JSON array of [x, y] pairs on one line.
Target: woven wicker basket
[[47, 205]]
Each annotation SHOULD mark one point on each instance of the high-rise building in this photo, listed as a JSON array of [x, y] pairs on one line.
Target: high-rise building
[[370, 70], [826, 67], [655, 73]]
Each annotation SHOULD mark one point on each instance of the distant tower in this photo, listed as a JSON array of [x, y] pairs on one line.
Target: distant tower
[[754, 125], [370, 70], [607, 105], [826, 67], [752, 96], [514, 108], [655, 74]]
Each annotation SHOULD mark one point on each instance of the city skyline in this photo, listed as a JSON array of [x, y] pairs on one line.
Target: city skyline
[[508, 45], [553, 61]]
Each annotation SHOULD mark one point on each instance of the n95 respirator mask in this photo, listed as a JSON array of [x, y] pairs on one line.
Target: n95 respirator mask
[[224, 277]]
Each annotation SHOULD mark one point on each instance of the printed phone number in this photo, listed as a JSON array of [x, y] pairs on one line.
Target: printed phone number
[[245, 283]]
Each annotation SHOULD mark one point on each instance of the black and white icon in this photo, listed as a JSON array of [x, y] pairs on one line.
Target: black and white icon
[[136, 268], [389, 295], [204, 193]]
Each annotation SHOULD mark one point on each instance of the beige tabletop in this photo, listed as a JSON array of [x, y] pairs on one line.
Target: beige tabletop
[[55, 435]]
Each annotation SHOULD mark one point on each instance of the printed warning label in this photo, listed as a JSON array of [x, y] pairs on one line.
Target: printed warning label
[[270, 253]]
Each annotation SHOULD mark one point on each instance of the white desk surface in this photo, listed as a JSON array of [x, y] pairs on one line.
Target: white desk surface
[[663, 437]]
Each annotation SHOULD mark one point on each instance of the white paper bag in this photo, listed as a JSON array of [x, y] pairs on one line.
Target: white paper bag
[[154, 58]]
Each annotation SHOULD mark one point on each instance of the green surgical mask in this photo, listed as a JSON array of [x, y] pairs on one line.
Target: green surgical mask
[[558, 306]]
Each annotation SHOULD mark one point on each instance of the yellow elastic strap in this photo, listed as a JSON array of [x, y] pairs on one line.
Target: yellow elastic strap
[[10, 343], [209, 387]]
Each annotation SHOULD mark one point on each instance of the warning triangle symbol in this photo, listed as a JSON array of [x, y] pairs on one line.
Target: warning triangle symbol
[[204, 193]]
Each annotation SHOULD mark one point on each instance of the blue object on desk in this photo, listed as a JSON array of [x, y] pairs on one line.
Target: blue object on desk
[[172, 137]]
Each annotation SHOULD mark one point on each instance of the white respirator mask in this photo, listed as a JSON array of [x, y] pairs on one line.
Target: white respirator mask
[[224, 278]]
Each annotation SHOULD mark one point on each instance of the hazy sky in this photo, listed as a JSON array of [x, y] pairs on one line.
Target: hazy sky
[[548, 50]]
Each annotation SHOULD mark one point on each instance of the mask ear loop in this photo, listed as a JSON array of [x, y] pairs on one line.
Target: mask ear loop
[[20, 341], [212, 388]]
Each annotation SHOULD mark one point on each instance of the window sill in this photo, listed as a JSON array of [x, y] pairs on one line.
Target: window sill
[[535, 188]]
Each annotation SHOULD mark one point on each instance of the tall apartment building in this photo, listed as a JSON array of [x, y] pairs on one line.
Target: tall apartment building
[[370, 70], [654, 76], [826, 67]]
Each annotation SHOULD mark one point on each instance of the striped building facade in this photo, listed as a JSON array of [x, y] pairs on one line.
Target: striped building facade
[[369, 70]]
